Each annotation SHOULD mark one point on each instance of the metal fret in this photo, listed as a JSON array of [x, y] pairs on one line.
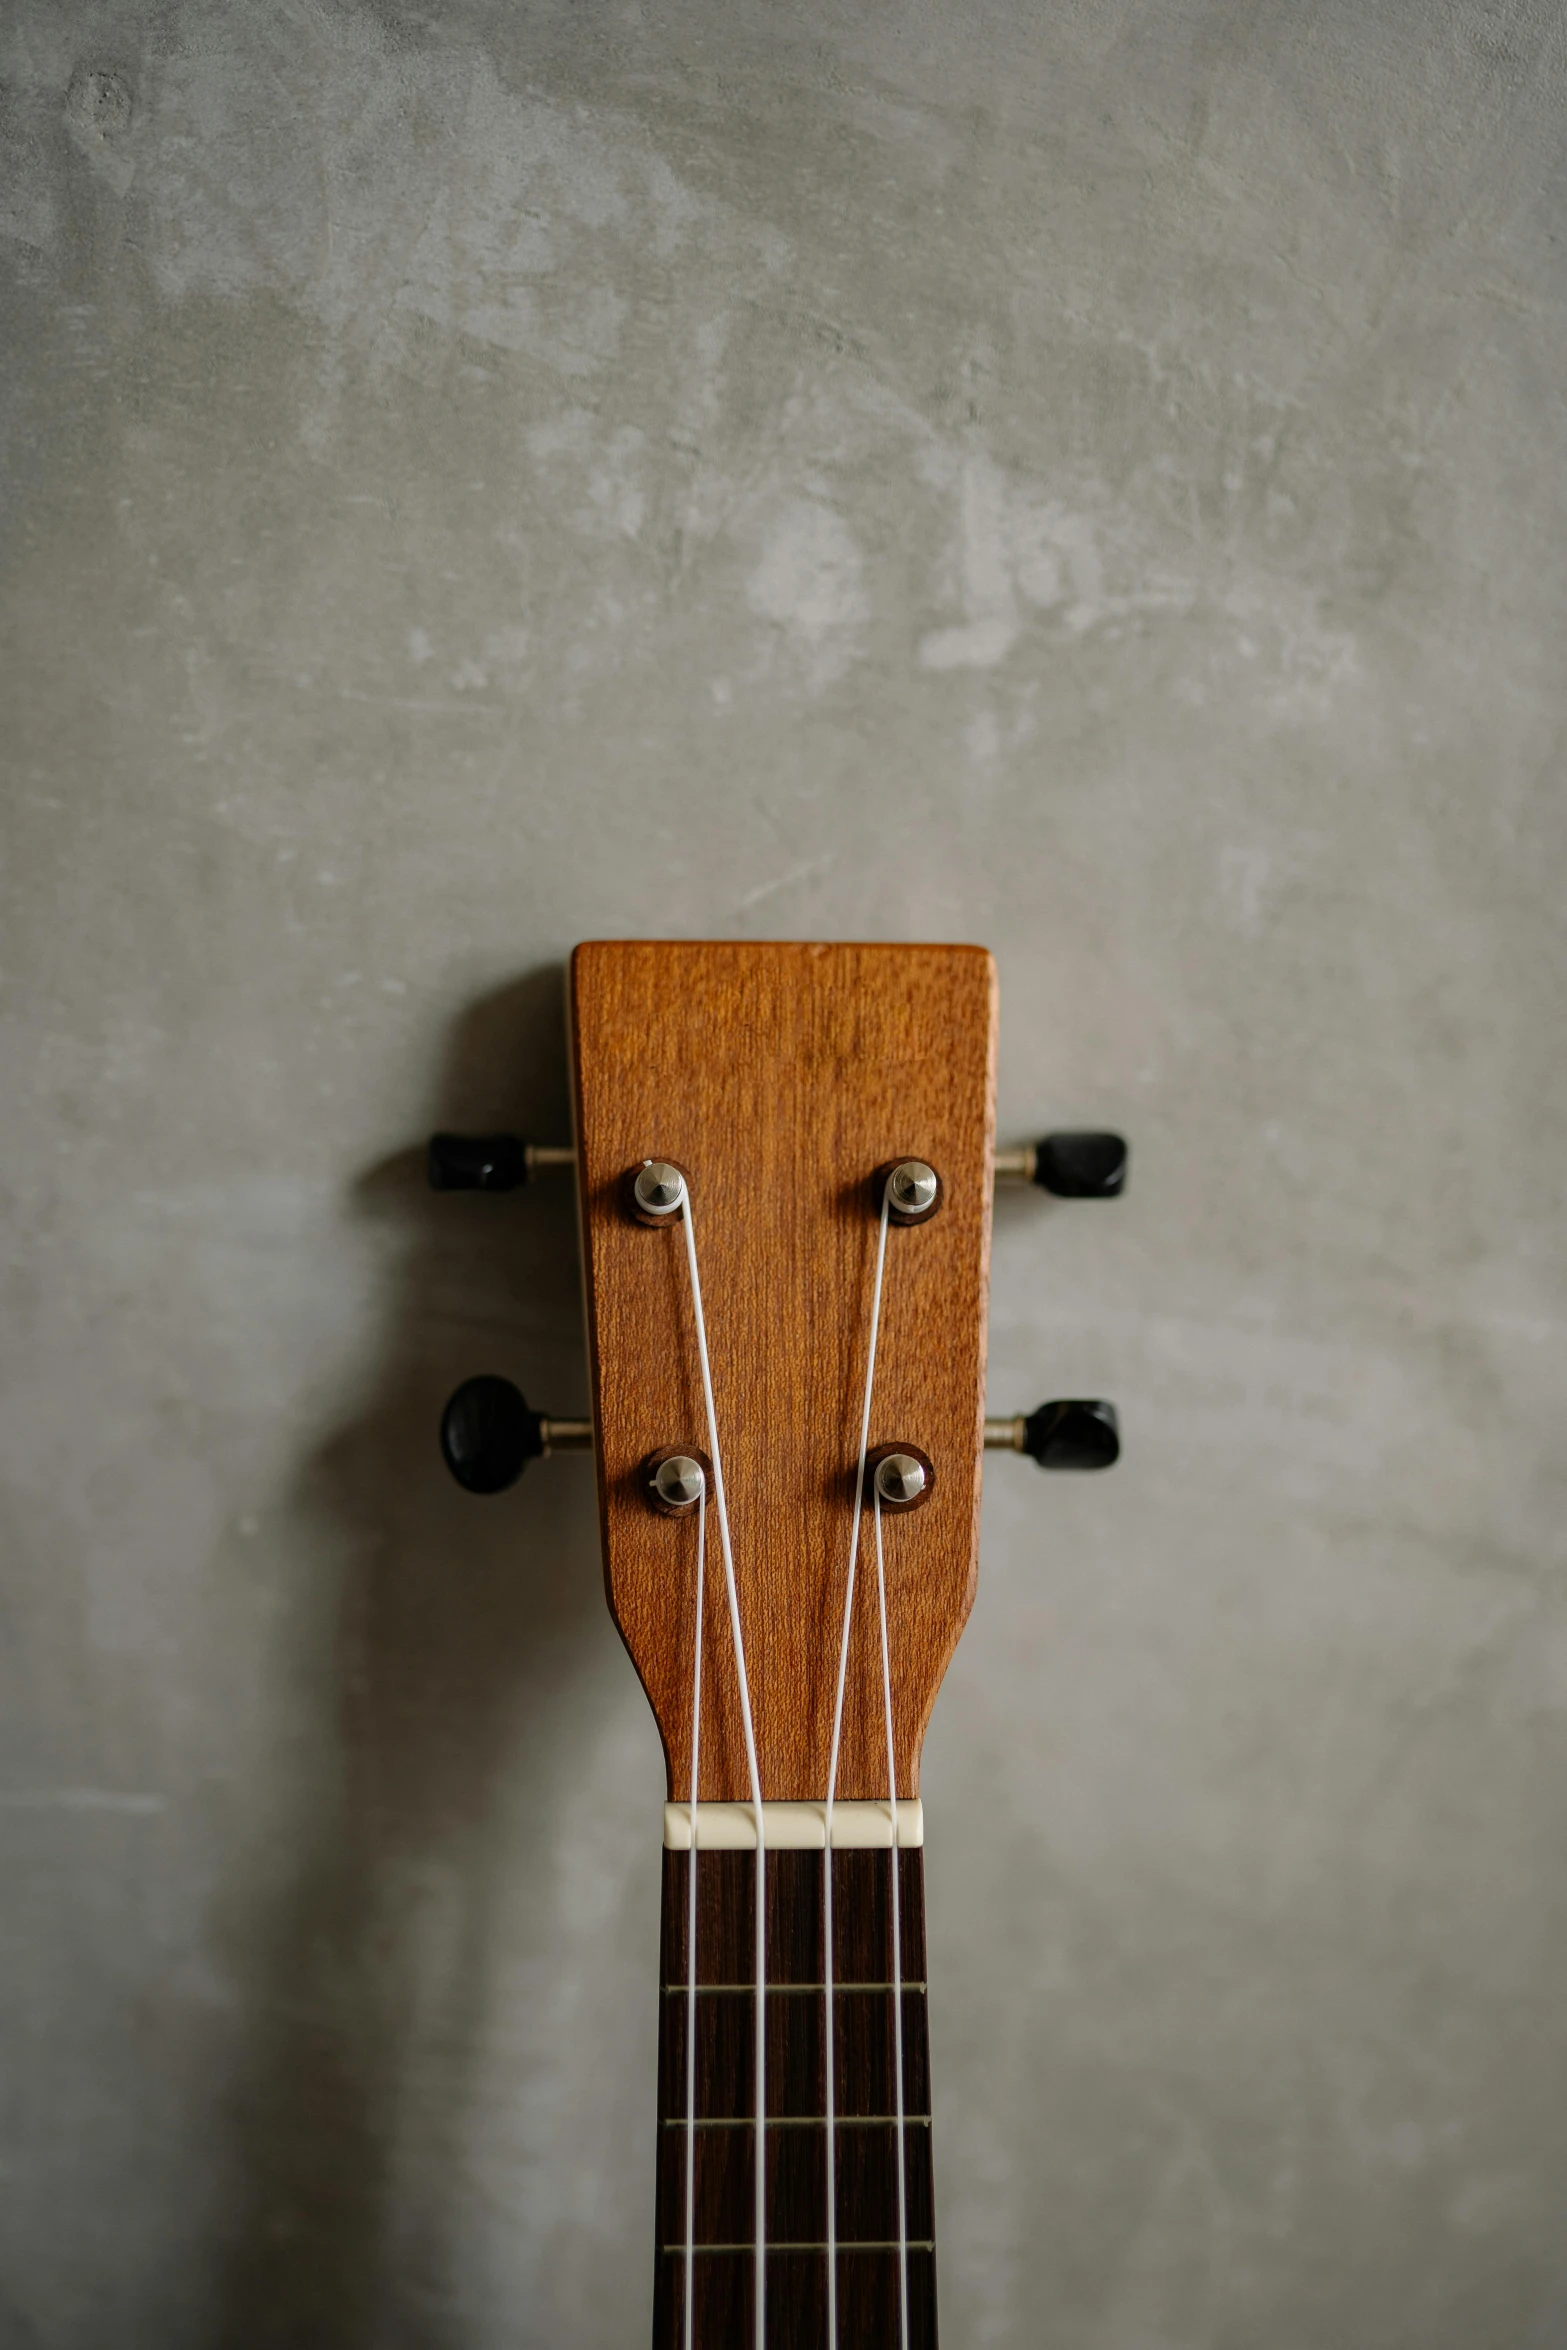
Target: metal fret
[[748, 1990], [854, 2244], [800, 2121]]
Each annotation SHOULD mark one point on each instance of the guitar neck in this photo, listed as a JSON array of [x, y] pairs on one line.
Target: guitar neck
[[722, 2263]]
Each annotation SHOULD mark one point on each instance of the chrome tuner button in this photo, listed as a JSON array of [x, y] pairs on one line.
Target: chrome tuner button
[[911, 1190], [658, 1191], [674, 1481], [900, 1477], [679, 1483]]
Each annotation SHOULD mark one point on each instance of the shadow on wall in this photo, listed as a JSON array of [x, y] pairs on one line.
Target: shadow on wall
[[436, 1676]]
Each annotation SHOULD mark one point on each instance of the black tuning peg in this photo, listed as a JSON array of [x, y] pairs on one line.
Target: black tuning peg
[[1081, 1166], [1071, 1434], [489, 1434], [491, 1162], [1073, 1166]]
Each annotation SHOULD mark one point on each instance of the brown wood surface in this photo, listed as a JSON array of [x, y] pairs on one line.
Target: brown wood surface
[[781, 1077], [864, 2089]]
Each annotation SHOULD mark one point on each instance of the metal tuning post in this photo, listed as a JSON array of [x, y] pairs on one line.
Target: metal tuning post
[[1072, 1166], [1074, 1433], [489, 1434], [491, 1162]]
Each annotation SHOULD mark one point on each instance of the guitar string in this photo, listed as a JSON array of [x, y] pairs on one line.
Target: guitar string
[[897, 1946], [832, 1787], [760, 2334], [696, 1756]]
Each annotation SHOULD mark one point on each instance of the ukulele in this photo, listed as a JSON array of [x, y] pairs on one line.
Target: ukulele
[[784, 1160]]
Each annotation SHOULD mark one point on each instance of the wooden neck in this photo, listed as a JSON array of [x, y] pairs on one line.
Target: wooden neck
[[865, 2096]]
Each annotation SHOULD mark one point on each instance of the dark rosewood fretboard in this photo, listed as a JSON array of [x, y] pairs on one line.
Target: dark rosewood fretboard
[[864, 2090]]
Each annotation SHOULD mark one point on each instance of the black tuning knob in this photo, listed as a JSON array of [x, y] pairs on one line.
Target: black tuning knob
[[477, 1162], [1072, 1435], [1081, 1166], [488, 1434]]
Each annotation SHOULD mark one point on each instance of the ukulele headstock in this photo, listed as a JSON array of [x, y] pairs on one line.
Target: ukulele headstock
[[785, 1082], [780, 1094]]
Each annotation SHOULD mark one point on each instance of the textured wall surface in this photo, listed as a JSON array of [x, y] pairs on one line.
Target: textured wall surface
[[1087, 478]]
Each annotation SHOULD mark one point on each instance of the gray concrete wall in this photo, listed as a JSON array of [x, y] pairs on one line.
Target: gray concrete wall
[[1086, 478]]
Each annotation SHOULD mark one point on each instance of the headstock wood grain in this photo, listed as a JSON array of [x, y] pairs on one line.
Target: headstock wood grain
[[780, 1078]]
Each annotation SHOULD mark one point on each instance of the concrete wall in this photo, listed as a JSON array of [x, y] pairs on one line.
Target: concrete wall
[[1083, 477]]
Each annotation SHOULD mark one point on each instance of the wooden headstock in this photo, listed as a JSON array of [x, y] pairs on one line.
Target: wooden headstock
[[780, 1078]]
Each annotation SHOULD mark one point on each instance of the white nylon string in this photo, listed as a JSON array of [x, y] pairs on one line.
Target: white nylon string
[[760, 2335], [897, 1949], [832, 1789], [696, 1758]]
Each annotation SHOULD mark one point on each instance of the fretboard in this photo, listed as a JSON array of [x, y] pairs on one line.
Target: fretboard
[[865, 2096]]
